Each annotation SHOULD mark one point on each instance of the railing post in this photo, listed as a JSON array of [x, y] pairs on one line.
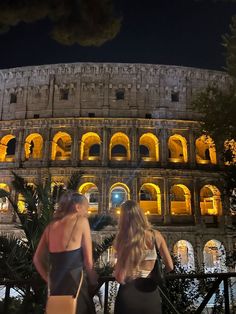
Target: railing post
[[226, 295], [106, 297], [7, 299]]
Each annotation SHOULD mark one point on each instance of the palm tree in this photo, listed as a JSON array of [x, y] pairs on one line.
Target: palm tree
[[16, 254]]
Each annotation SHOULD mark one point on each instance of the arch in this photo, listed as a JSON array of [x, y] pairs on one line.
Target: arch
[[205, 150], [4, 203], [33, 146], [90, 190], [7, 148], [150, 141], [180, 200], [184, 252], [61, 146], [214, 255], [119, 193], [210, 200], [150, 199], [90, 146], [177, 145], [119, 148]]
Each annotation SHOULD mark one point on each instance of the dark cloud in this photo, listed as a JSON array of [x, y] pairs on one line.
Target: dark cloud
[[86, 22]]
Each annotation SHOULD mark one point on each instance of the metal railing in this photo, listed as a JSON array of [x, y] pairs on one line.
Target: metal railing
[[217, 280]]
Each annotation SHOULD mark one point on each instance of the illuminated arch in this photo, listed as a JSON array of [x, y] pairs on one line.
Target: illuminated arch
[[184, 252], [180, 200], [214, 256], [210, 200], [7, 148], [119, 193], [150, 199], [34, 146], [90, 146], [90, 190], [151, 143], [119, 148], [61, 146], [4, 203], [205, 150], [177, 145]]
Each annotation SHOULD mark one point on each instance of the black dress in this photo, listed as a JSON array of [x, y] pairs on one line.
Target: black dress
[[65, 274]]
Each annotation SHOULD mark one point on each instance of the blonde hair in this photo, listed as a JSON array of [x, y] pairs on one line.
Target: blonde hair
[[66, 204], [130, 241]]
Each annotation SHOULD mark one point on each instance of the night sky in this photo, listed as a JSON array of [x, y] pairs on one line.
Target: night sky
[[180, 32]]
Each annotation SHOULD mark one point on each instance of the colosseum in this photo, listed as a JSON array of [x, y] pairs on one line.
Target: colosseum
[[132, 131]]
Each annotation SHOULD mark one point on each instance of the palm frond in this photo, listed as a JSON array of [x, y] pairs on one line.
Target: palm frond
[[74, 180], [99, 249]]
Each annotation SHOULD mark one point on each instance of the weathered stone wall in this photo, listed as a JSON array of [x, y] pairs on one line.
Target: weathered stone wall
[[92, 89]]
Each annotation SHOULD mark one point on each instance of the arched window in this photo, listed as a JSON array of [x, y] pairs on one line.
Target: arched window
[[90, 190], [61, 146], [7, 148], [149, 147], [90, 146], [210, 200], [4, 203], [183, 250], [180, 200], [205, 150], [119, 148], [150, 199], [57, 188], [177, 146], [34, 146], [214, 256], [119, 193]]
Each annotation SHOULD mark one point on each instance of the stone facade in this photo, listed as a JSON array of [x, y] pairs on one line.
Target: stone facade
[[71, 107]]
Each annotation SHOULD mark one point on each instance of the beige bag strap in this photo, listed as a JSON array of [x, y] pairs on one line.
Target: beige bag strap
[[80, 284]]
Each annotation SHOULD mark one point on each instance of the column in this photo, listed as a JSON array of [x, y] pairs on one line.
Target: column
[[196, 204], [167, 215], [19, 144], [75, 147], [164, 148], [46, 148], [134, 146], [105, 146], [191, 150]]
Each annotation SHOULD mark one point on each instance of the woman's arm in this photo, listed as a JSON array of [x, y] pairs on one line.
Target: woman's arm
[[40, 259], [87, 252], [165, 254]]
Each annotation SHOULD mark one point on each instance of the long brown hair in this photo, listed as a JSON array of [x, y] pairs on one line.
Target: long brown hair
[[67, 203], [130, 241]]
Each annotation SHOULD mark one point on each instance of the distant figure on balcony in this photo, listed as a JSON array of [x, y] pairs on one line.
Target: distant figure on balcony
[[136, 255], [67, 243]]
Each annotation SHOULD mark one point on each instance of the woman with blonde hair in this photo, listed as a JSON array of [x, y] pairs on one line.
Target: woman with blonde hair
[[136, 256], [65, 249]]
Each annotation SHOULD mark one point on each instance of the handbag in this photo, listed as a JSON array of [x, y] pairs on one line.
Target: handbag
[[64, 304], [61, 304]]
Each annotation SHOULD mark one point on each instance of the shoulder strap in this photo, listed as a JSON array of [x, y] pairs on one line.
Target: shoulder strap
[[155, 242], [80, 284], [72, 231]]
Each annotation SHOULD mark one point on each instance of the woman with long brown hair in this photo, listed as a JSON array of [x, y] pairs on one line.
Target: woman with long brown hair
[[136, 256], [65, 249]]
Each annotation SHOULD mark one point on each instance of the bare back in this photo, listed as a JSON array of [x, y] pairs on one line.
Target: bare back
[[65, 234]]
